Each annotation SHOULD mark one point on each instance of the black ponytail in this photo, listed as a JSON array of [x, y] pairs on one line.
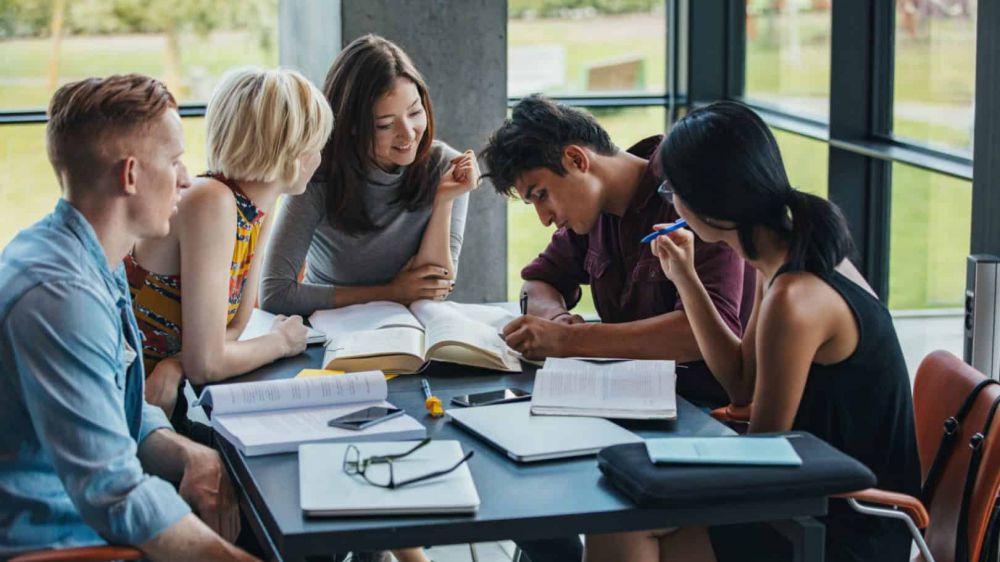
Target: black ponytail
[[819, 239], [724, 163]]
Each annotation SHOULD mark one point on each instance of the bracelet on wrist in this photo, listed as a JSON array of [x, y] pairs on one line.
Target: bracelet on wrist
[[553, 319]]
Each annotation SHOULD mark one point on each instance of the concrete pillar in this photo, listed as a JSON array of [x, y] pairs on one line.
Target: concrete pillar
[[309, 36], [460, 46]]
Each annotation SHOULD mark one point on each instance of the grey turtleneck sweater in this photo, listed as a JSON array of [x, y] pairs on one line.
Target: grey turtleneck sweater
[[302, 232]]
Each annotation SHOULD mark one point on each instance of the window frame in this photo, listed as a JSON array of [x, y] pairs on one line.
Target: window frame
[[859, 132]]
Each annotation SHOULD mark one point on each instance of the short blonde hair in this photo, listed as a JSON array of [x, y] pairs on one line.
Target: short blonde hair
[[260, 122]]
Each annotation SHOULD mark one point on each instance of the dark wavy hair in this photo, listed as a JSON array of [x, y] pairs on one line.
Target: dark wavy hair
[[362, 73], [535, 136], [724, 163]]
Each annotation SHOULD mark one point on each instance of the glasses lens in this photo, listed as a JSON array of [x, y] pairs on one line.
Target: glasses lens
[[352, 459], [665, 192], [379, 473]]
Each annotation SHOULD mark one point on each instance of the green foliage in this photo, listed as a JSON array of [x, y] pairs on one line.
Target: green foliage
[[31, 18], [24, 17]]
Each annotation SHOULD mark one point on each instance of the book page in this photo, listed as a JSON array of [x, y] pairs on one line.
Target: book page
[[284, 394], [384, 341], [474, 325], [362, 317], [279, 431], [260, 325], [629, 385]]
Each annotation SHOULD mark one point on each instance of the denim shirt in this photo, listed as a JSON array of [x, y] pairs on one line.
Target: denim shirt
[[71, 406]]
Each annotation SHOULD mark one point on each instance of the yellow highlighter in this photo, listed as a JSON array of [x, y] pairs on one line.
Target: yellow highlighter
[[431, 402]]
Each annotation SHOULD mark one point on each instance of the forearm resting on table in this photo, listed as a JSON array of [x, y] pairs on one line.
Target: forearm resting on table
[[667, 336], [544, 300], [204, 366]]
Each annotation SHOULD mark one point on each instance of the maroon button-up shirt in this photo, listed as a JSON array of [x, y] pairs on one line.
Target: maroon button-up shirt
[[626, 279]]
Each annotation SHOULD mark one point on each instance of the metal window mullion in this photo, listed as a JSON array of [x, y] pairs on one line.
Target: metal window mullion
[[860, 105], [736, 48], [985, 236]]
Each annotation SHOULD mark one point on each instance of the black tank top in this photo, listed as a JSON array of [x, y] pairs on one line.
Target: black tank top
[[862, 405]]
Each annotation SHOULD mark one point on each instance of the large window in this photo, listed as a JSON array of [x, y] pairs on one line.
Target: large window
[[46, 44], [805, 161], [588, 47], [931, 216], [29, 186], [935, 72], [788, 66], [187, 44], [788, 55]]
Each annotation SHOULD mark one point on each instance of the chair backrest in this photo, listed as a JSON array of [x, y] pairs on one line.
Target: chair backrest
[[942, 384]]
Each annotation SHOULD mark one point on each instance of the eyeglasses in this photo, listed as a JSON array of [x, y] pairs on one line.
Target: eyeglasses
[[666, 192], [354, 465]]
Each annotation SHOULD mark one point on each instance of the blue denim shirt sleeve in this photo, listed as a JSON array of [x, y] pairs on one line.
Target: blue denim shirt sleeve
[[73, 382], [153, 418]]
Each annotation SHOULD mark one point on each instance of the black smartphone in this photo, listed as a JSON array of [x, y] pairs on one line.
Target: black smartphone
[[365, 418], [492, 397]]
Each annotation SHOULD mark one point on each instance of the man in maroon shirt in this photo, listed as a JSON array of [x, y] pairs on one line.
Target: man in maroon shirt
[[603, 201]]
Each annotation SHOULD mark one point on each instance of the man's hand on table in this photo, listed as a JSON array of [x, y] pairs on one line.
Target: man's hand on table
[[537, 338], [207, 489]]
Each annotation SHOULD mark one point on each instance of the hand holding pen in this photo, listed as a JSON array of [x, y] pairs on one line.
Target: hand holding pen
[[674, 246], [663, 229]]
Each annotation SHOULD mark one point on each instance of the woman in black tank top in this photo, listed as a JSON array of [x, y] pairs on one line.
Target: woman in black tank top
[[819, 354]]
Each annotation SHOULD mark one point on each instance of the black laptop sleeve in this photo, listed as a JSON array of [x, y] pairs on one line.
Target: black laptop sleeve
[[824, 471]]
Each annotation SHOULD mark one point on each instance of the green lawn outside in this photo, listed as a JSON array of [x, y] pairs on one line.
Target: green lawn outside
[[930, 216]]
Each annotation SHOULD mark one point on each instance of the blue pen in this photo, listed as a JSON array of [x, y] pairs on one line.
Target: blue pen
[[681, 223]]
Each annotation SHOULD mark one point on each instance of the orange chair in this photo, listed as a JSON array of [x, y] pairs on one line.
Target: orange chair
[[943, 392], [736, 417], [82, 554]]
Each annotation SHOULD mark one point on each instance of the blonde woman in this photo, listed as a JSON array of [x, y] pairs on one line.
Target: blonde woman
[[265, 132]]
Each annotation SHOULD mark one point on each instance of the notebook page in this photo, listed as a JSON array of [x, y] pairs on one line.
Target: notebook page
[[627, 385], [337, 322], [368, 386]]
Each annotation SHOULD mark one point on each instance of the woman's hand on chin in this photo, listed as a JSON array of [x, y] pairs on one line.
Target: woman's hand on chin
[[462, 176]]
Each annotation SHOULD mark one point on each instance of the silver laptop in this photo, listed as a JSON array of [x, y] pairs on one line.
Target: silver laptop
[[527, 438]]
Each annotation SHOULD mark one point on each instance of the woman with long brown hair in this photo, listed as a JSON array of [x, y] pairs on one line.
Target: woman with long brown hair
[[383, 218]]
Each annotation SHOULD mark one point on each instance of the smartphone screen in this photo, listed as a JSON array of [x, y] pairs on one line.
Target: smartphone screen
[[365, 418], [492, 397]]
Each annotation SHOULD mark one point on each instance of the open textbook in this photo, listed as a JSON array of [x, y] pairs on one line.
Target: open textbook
[[394, 338], [625, 390], [261, 418]]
